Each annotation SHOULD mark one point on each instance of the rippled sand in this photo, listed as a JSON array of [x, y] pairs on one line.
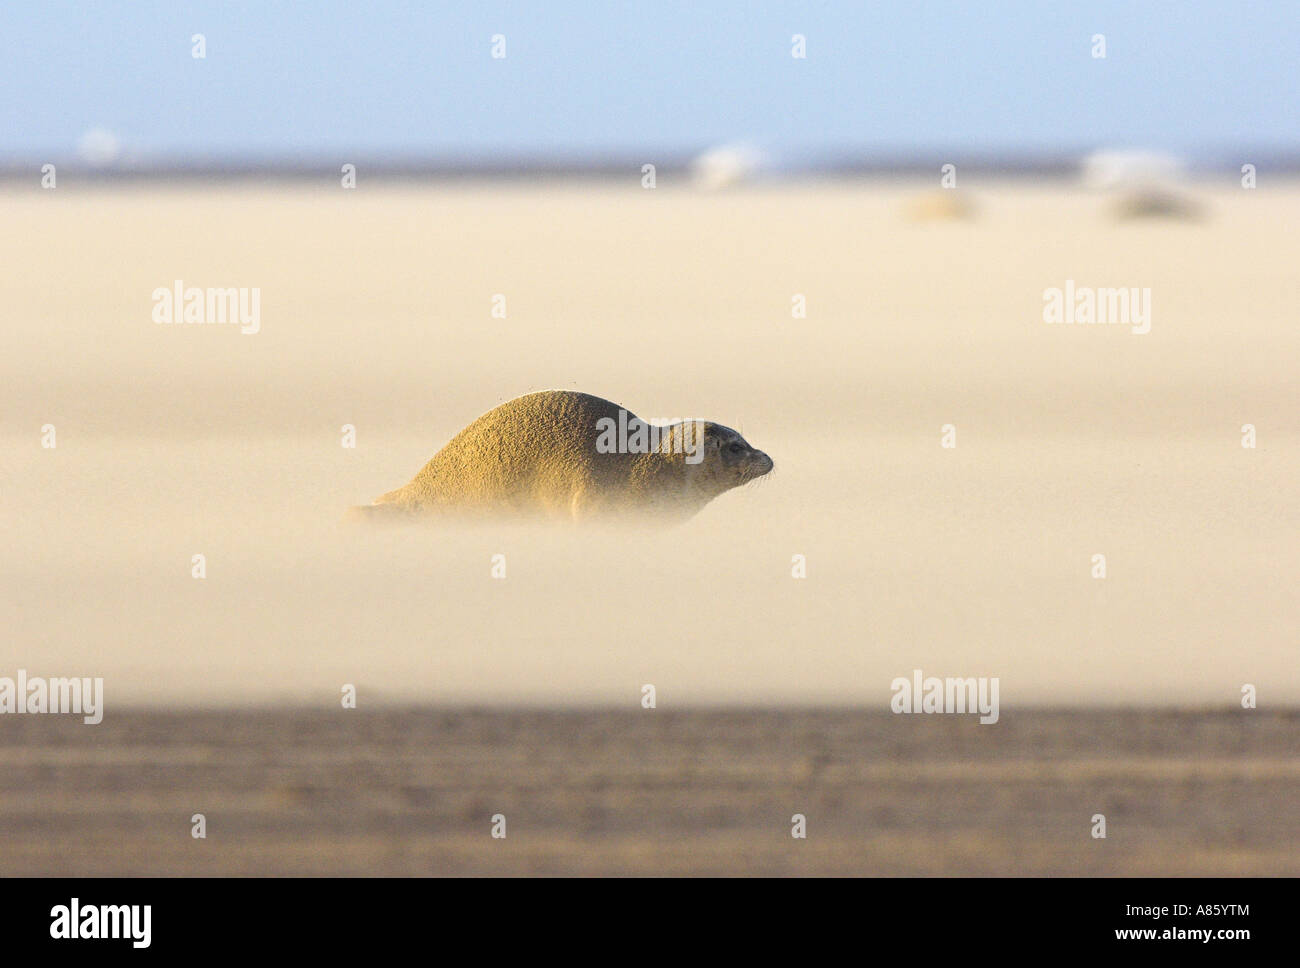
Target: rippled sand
[[414, 792]]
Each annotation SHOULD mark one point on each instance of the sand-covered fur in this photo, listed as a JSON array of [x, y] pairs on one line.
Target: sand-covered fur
[[549, 453]]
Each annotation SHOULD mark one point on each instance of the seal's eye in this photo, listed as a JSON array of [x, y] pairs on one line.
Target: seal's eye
[[734, 449]]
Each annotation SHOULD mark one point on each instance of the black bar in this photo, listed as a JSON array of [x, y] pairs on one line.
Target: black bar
[[916, 917]]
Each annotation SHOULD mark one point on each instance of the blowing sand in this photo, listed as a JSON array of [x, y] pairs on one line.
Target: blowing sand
[[376, 312]]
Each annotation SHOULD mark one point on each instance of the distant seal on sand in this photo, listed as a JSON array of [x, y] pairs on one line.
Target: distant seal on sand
[[567, 454]]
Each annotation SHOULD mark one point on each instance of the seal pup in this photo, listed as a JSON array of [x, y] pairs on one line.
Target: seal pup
[[560, 453]]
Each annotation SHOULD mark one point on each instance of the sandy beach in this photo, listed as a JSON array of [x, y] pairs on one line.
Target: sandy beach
[[413, 792], [376, 312], [1119, 695]]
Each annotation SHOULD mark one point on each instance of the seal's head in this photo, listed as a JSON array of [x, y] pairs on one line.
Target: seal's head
[[728, 460], [693, 462]]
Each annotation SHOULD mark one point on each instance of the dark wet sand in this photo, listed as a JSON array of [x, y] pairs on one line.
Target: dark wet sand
[[413, 791]]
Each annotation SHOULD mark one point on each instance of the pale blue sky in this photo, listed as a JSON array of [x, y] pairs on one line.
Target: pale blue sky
[[585, 80]]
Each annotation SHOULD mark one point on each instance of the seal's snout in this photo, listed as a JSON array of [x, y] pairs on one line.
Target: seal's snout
[[761, 463]]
